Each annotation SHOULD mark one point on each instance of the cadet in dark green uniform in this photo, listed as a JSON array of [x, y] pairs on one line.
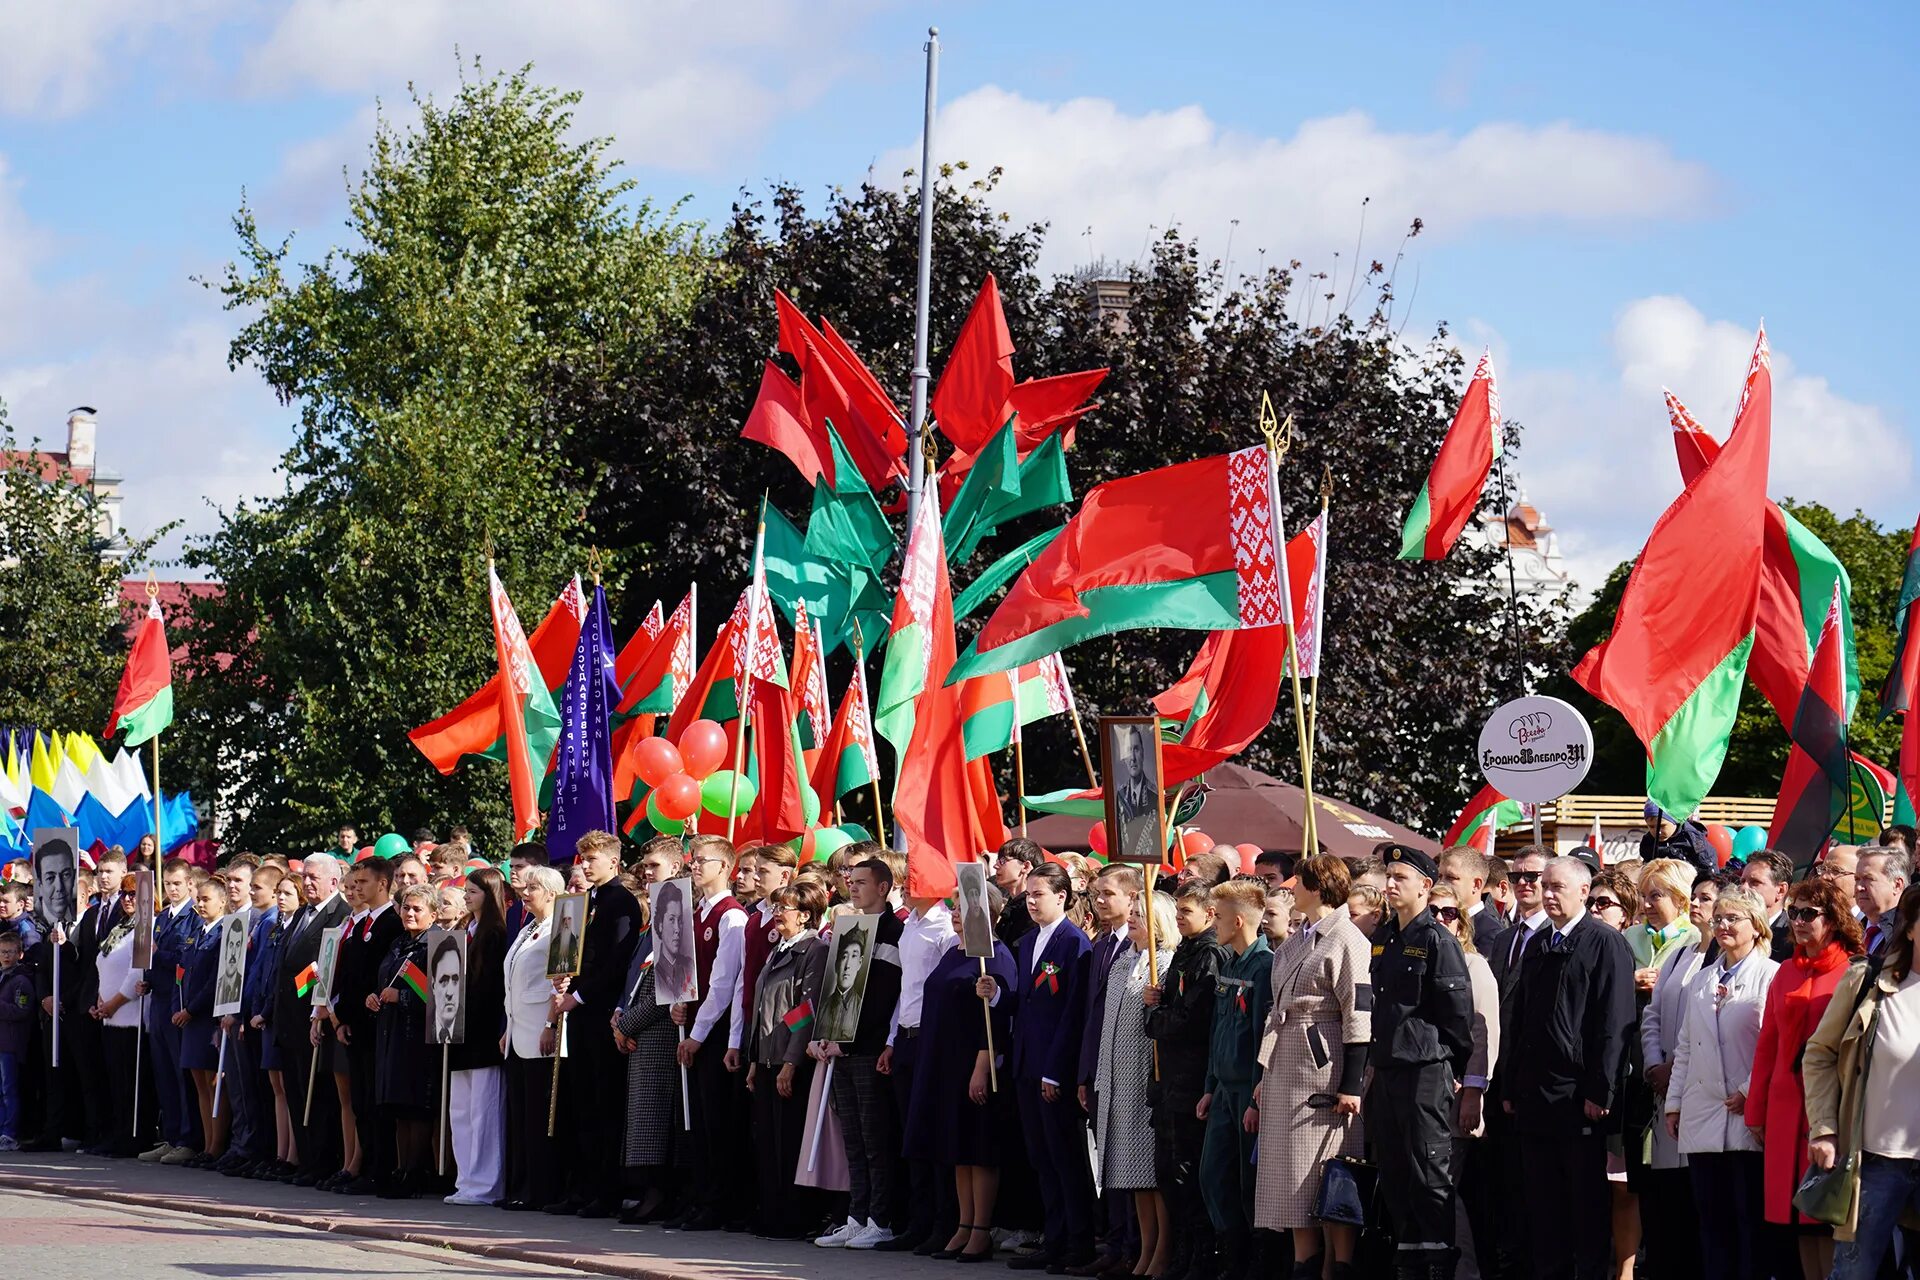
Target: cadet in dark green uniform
[[1242, 993], [1422, 1033]]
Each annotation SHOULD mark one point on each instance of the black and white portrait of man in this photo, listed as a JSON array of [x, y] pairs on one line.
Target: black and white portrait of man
[[446, 986], [1130, 746], [55, 869], [846, 985]]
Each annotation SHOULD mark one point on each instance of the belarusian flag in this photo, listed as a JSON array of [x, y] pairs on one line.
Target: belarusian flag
[[1896, 695], [528, 719], [1307, 583], [656, 666], [475, 727], [1230, 692], [1193, 546], [144, 705], [997, 706], [1673, 669], [1798, 573], [848, 760], [943, 804], [1452, 491], [808, 680], [1488, 809], [910, 640], [1819, 774]]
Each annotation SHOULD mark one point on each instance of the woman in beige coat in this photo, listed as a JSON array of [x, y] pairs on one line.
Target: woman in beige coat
[[1858, 1068], [1315, 1054]]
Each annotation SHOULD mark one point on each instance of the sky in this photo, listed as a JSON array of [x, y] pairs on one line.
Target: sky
[[1613, 197]]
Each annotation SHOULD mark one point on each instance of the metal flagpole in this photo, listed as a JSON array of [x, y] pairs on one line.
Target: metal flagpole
[[743, 682], [923, 288], [1513, 582]]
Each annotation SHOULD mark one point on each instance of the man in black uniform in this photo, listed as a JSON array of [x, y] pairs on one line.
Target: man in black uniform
[[1422, 1034]]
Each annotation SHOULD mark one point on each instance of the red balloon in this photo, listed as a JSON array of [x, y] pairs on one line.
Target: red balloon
[[1195, 843], [1097, 838], [1247, 852], [703, 748], [677, 797], [1722, 841], [656, 760]]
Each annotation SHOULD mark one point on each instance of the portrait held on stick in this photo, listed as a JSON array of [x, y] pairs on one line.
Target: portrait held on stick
[[676, 974], [569, 931], [846, 985], [447, 986], [1130, 775]]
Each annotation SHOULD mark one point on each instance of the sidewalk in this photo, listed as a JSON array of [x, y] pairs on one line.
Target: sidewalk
[[602, 1246]]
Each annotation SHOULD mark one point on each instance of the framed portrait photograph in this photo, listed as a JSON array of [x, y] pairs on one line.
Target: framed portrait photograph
[[846, 986], [976, 913], [1130, 777], [231, 976], [56, 867], [143, 919], [325, 963], [446, 986], [569, 935], [676, 974]]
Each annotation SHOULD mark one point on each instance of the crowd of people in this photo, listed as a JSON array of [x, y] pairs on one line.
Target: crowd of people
[[1530, 1067]]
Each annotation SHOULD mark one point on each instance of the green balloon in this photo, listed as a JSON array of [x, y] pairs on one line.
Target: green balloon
[[721, 792], [809, 805], [391, 845], [828, 841], [661, 822], [855, 831]]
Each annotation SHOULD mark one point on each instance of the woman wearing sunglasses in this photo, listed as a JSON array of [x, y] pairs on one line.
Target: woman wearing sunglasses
[[1706, 1096], [1825, 937]]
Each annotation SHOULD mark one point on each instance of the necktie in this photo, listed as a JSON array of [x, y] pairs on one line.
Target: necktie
[[1558, 942], [1873, 937]]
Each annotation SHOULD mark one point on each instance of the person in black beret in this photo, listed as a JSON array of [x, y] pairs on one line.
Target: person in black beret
[[1422, 1034]]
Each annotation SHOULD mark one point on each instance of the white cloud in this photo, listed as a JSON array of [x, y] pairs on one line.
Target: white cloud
[[1598, 457], [682, 84], [1087, 162], [59, 57]]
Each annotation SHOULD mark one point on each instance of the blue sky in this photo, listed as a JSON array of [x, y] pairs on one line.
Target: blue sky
[[1613, 196]]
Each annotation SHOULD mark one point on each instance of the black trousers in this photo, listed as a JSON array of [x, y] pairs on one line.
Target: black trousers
[[1727, 1192], [379, 1155], [779, 1131], [316, 1129], [89, 1061], [1408, 1115], [718, 1127], [127, 1132], [924, 1201], [532, 1158], [594, 1079], [1057, 1143], [1669, 1227], [1177, 1140], [1568, 1205]]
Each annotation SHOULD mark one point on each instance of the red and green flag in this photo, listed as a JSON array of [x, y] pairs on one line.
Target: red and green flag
[[944, 805], [808, 680], [1488, 810], [1818, 782], [910, 638], [656, 666], [144, 704], [476, 727], [714, 691], [798, 1018], [1672, 669], [1896, 695], [996, 707], [1452, 491], [1192, 546], [1798, 573], [304, 980], [847, 759], [528, 719], [414, 978]]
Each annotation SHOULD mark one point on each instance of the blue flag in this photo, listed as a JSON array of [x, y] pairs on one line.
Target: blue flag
[[583, 771], [179, 821], [44, 811]]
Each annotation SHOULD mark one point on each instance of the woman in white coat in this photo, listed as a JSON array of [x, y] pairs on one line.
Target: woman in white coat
[[1666, 1201], [530, 1045], [1707, 1091]]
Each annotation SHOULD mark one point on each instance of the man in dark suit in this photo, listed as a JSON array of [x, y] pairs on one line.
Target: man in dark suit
[[173, 932], [89, 1052], [365, 946], [1112, 895], [1494, 1175], [1560, 1067], [594, 1072], [1529, 922], [1770, 874], [294, 1031], [1465, 868]]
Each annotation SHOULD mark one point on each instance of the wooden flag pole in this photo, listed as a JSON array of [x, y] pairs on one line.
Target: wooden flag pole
[[1313, 681], [1079, 734], [553, 1093], [993, 1071], [860, 674], [1019, 750], [313, 1070], [743, 683], [739, 756], [446, 1102]]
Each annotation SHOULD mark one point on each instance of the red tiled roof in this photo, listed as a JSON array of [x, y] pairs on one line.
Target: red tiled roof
[[51, 466]]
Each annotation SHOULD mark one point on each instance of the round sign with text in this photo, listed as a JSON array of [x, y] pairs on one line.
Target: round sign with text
[[1536, 749]]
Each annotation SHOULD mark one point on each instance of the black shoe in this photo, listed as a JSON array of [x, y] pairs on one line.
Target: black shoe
[[597, 1209], [517, 1206], [737, 1226], [1040, 1260], [906, 1242], [703, 1222], [41, 1144], [304, 1179], [984, 1256], [1064, 1265], [558, 1207]]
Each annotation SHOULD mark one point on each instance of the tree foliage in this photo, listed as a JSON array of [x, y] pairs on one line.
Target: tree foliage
[[489, 257], [62, 630], [1875, 559]]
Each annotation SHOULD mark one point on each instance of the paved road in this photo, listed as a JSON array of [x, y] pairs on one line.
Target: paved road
[[353, 1236], [59, 1236]]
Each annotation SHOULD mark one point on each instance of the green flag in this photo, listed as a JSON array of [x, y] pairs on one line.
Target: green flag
[[847, 525], [835, 594]]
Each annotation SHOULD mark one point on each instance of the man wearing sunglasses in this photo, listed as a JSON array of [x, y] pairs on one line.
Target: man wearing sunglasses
[[1529, 919]]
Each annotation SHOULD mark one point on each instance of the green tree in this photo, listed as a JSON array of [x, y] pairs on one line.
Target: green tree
[[489, 257], [62, 629], [1418, 652], [1875, 558]]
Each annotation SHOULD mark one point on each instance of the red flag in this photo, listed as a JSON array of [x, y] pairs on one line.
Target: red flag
[[777, 813], [1452, 492], [944, 803], [778, 420], [808, 675], [1819, 776], [824, 399], [475, 727], [970, 401], [1047, 405]]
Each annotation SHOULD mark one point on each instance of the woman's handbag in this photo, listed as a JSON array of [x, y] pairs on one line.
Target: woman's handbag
[[1346, 1191], [1826, 1195]]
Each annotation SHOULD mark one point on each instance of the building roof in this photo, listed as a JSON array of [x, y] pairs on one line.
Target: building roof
[[51, 466]]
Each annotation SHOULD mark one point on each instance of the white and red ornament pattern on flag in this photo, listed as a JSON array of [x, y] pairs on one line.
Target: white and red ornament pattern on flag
[[1758, 366], [656, 622], [860, 723], [924, 554], [1483, 372], [1052, 671], [1307, 580], [763, 661], [512, 638], [681, 660], [1253, 523]]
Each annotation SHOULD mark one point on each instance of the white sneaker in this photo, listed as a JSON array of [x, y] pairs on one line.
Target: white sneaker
[[457, 1198], [870, 1235], [840, 1236], [154, 1154], [9, 1144]]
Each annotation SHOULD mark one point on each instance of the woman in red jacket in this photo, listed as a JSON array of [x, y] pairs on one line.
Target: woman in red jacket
[[1825, 937]]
